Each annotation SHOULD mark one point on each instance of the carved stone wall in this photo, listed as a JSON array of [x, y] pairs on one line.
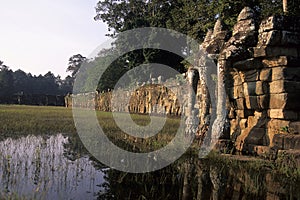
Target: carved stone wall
[[260, 62], [262, 65]]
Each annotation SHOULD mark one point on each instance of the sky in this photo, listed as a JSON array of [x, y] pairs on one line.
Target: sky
[[38, 36]]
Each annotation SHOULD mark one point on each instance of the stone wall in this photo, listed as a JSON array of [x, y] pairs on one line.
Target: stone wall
[[147, 99], [262, 65]]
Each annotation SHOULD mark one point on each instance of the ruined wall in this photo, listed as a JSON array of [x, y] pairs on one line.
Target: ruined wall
[[147, 99], [262, 65]]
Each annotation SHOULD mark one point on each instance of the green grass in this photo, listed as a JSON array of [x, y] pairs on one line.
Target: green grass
[[24, 120], [18, 120]]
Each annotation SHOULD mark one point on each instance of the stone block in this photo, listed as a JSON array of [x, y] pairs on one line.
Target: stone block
[[275, 62], [248, 64], [281, 86], [286, 73], [276, 124], [261, 88], [249, 76], [252, 103], [238, 92], [263, 101], [233, 126], [240, 103], [283, 114], [286, 141], [265, 75], [295, 127], [243, 123], [279, 38], [256, 136], [285, 101], [266, 51], [244, 113], [249, 89], [269, 38], [280, 22], [281, 61]]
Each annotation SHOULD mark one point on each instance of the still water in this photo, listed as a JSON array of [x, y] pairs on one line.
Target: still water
[[59, 167]]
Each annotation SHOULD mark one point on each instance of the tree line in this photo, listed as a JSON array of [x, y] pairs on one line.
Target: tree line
[[190, 17], [20, 83]]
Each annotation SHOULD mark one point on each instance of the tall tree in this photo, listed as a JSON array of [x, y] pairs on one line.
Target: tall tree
[[74, 63]]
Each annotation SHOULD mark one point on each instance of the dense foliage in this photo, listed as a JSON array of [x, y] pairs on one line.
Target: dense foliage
[[190, 17]]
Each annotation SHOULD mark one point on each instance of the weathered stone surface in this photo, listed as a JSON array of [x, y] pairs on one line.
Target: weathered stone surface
[[275, 61], [244, 113], [295, 127], [252, 102], [286, 141], [249, 76], [285, 101], [281, 86], [246, 13], [261, 88], [248, 64], [280, 22], [286, 73], [266, 51], [236, 92], [279, 38], [265, 75], [249, 89], [246, 27], [276, 124], [283, 114], [263, 102], [243, 123], [240, 103]]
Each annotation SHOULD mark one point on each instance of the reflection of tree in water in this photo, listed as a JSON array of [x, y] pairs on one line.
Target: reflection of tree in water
[[162, 184]]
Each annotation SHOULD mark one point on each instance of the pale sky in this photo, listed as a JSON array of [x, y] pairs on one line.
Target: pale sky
[[38, 36]]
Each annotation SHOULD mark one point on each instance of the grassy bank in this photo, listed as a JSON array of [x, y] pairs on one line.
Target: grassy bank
[[17, 120]]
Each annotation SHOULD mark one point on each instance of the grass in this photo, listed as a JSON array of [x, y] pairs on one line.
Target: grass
[[18, 120], [23, 120]]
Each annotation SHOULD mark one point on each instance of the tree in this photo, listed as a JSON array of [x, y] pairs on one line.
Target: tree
[[74, 64], [6, 80]]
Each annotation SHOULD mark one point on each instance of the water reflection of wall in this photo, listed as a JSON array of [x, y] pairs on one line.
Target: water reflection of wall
[[35, 166]]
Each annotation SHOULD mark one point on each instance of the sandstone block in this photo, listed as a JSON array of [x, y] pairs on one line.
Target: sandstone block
[[261, 88], [295, 127], [248, 64], [249, 76], [269, 38], [244, 113], [281, 86], [285, 101], [249, 88], [236, 92], [265, 75], [281, 61], [256, 136], [279, 38], [263, 101], [286, 73], [266, 51], [283, 114], [280, 22], [252, 102], [240, 103], [243, 123], [276, 124]]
